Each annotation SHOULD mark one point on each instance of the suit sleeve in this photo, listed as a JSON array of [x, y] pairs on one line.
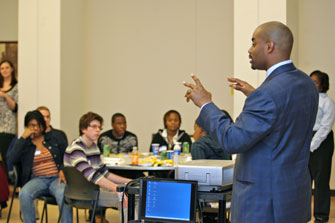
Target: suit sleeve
[[254, 123]]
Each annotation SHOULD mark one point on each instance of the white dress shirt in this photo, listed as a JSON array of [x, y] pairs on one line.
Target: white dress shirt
[[273, 67], [324, 120]]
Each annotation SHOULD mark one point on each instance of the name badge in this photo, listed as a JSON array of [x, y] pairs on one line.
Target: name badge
[[37, 152]]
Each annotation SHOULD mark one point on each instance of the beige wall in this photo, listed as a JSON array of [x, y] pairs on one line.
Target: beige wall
[[137, 53], [39, 58], [71, 94], [316, 43], [247, 16]]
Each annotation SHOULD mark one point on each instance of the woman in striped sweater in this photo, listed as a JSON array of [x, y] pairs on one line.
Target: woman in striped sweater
[[39, 157]]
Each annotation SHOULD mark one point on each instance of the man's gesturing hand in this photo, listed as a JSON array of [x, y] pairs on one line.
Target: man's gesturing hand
[[240, 85], [197, 93]]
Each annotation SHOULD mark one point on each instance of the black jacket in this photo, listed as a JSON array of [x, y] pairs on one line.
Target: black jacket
[[159, 139], [22, 154]]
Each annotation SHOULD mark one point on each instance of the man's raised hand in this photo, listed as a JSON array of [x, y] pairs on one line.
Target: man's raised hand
[[197, 93]]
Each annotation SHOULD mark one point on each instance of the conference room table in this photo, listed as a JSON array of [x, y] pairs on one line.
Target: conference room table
[[122, 162]]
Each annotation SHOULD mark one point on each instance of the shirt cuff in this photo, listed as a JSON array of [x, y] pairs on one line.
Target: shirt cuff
[[204, 105]]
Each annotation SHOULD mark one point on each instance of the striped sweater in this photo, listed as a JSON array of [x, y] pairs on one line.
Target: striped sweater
[[86, 159]]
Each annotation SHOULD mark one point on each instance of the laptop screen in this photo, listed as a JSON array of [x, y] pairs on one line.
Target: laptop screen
[[167, 200]]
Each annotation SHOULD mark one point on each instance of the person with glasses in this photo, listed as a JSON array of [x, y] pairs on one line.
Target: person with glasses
[[39, 159], [84, 155]]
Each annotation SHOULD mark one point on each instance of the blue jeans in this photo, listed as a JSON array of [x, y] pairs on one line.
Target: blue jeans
[[39, 186]]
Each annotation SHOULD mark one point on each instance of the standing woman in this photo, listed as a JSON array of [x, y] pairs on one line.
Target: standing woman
[[322, 147], [8, 107]]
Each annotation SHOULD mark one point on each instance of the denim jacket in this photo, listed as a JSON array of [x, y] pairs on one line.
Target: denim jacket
[[22, 154]]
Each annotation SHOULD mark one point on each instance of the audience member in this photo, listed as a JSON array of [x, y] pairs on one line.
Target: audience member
[[118, 138], [59, 134], [205, 146], [39, 158], [8, 108], [322, 148], [171, 134], [84, 154], [4, 190]]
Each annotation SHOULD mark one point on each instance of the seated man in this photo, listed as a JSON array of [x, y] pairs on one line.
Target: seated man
[[40, 159], [59, 134], [205, 147], [84, 154], [118, 138]]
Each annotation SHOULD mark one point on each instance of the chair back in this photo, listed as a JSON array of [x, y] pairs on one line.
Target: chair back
[[16, 170], [78, 187]]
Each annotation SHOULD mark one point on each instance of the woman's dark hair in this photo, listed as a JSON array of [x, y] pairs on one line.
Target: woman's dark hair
[[35, 115], [166, 115], [323, 79], [86, 119], [14, 81]]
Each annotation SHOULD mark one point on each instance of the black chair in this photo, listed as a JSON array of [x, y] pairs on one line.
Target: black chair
[[15, 186], [80, 193], [48, 199]]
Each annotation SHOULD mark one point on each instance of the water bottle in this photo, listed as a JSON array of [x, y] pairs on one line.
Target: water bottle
[[176, 153]]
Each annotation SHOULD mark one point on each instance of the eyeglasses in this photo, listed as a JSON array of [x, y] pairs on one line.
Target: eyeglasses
[[96, 127], [33, 125]]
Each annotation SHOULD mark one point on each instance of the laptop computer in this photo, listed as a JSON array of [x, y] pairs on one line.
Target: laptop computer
[[167, 200]]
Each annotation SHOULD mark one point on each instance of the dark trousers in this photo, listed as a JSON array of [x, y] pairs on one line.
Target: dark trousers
[[320, 163], [5, 140]]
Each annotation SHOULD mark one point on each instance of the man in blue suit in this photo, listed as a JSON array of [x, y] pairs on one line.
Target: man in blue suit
[[271, 136]]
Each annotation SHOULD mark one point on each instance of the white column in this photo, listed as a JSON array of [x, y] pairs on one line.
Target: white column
[[39, 57], [248, 14]]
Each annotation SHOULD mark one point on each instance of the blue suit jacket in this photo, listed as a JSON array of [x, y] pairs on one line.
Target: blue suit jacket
[[272, 137]]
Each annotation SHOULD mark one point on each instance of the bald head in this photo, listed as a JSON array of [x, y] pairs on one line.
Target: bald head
[[280, 34]]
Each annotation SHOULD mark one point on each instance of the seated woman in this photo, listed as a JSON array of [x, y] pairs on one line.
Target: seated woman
[[40, 158], [205, 146], [171, 132]]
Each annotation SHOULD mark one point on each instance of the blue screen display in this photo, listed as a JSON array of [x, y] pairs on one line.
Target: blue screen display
[[168, 200]]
